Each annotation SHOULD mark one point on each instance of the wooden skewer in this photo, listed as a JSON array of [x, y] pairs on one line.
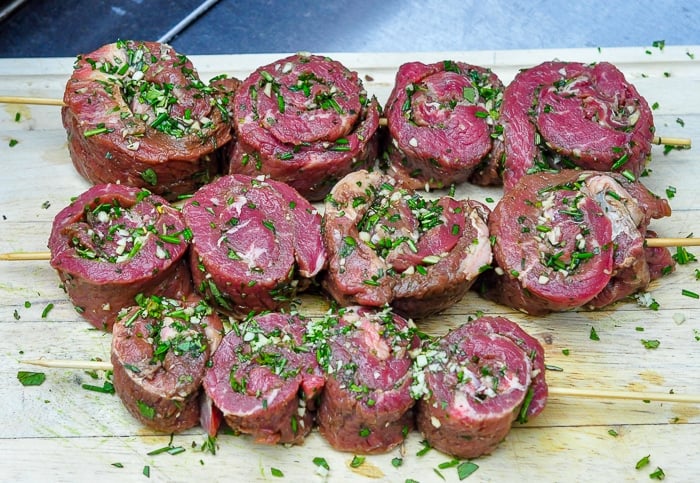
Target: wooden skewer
[[678, 142], [24, 256], [43, 101], [626, 395], [68, 364], [650, 242], [553, 391], [672, 242]]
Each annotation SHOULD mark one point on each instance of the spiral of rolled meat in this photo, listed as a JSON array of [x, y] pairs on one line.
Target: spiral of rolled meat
[[113, 242], [265, 380], [256, 242], [366, 406], [160, 350], [389, 245], [136, 113], [568, 114], [305, 120], [571, 239], [474, 382], [442, 122]]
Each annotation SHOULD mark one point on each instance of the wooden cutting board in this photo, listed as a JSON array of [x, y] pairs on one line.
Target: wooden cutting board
[[61, 432]]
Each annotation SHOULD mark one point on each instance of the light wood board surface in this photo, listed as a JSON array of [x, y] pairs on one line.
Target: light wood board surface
[[61, 432]]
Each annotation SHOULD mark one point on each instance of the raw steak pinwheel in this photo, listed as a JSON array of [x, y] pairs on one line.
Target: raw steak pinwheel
[[567, 114], [366, 405], [474, 382], [442, 123], [160, 351], [305, 120], [571, 239], [389, 245], [137, 113], [114, 242], [265, 379], [256, 242]]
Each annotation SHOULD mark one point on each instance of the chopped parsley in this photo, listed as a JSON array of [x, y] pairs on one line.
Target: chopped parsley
[[28, 378], [651, 343]]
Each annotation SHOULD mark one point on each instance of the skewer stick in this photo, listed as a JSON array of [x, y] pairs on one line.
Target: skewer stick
[[672, 242], [553, 391], [68, 364], [24, 256], [678, 142], [650, 242], [43, 101], [626, 395]]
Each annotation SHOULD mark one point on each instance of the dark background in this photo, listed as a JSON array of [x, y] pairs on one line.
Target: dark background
[[44, 28]]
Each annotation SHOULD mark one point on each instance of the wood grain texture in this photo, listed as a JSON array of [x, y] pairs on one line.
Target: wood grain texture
[[60, 432]]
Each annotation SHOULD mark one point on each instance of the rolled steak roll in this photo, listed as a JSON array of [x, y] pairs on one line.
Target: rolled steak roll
[[256, 242], [265, 380], [389, 245], [160, 349], [136, 113], [568, 114], [114, 242], [305, 120], [571, 239], [442, 122], [474, 382], [366, 406]]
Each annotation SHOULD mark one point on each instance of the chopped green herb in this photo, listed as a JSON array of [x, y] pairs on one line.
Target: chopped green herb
[[276, 472], [18, 116], [642, 462], [612, 433], [670, 192], [657, 474], [46, 310], [147, 471], [321, 462], [551, 367], [565, 352], [466, 469], [680, 122], [118, 465], [13, 143], [688, 293], [150, 177], [683, 256], [396, 462], [146, 411], [651, 344], [426, 447], [100, 129], [593, 335], [655, 106], [357, 461], [28, 378], [106, 388], [659, 44]]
